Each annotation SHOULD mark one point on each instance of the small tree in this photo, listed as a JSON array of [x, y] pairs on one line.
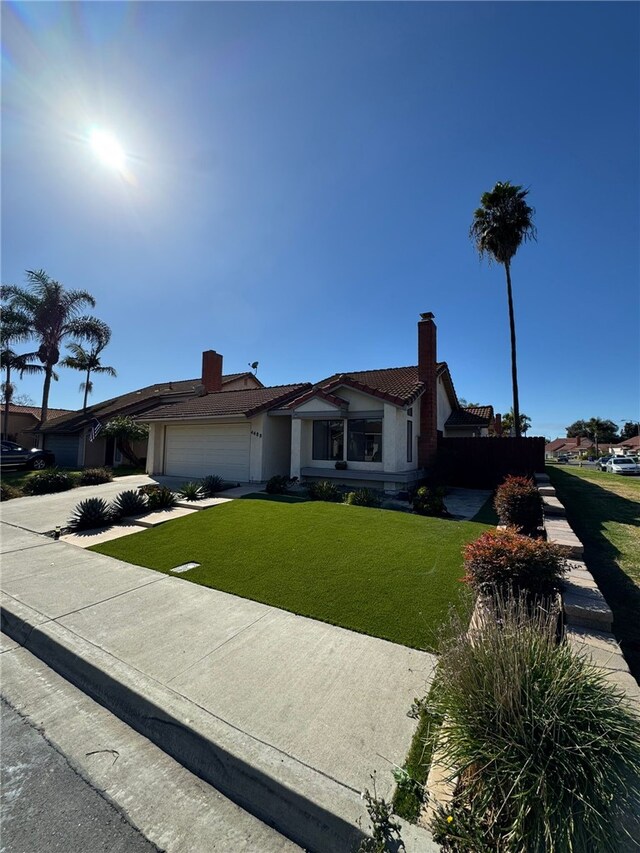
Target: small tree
[[125, 431]]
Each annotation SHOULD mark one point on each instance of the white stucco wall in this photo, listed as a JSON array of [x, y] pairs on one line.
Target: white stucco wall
[[444, 406], [317, 404], [276, 446]]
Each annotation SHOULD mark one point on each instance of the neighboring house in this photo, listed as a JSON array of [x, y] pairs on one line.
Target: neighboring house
[[383, 424], [567, 447], [473, 421], [629, 446], [69, 436], [23, 421]]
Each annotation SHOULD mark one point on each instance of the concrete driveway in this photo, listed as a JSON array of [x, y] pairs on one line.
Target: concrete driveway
[[43, 513]]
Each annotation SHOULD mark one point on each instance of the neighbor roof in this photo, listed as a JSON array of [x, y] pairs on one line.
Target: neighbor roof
[[470, 416], [15, 409], [247, 402], [142, 400]]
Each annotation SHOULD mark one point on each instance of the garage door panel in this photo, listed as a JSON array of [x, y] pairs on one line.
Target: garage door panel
[[195, 451]]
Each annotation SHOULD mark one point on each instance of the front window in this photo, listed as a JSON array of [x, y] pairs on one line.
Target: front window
[[328, 440], [364, 443]]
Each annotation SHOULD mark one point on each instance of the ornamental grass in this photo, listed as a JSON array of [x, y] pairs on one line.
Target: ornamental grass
[[547, 750]]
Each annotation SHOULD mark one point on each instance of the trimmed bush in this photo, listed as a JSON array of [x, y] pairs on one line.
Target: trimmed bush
[[129, 503], [8, 493], [191, 491], [91, 513], [279, 484], [158, 497], [547, 749], [519, 504], [95, 476], [363, 497], [211, 484], [508, 561], [429, 501], [324, 490], [48, 482]]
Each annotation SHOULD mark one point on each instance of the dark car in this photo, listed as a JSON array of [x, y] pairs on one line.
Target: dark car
[[15, 456]]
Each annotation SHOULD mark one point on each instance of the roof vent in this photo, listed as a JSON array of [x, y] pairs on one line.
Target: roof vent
[[200, 390]]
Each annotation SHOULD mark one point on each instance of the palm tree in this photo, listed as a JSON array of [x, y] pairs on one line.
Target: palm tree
[[54, 315], [500, 225], [88, 361], [508, 422], [15, 329]]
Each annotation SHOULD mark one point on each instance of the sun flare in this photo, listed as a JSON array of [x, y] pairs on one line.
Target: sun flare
[[107, 149]]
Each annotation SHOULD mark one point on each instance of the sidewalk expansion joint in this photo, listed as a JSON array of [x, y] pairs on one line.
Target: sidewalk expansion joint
[[104, 600], [218, 647], [28, 547]]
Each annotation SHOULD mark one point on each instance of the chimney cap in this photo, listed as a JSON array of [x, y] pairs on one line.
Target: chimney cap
[[428, 315]]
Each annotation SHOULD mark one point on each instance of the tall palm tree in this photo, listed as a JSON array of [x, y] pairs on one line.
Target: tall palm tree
[[54, 316], [88, 361], [500, 225], [15, 329]]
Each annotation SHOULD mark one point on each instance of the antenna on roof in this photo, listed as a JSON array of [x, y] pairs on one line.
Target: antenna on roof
[[254, 366]]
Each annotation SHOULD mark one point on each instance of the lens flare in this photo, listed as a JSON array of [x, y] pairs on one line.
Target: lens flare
[[107, 149]]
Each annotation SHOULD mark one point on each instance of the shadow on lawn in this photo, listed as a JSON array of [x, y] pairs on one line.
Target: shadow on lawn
[[589, 507]]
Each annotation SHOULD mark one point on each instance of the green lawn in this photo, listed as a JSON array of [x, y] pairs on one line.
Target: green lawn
[[604, 511], [389, 574]]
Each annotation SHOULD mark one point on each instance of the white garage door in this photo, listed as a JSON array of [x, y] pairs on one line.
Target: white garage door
[[196, 451]]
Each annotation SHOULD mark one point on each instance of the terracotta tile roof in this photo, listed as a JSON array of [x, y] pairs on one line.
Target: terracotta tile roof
[[247, 402], [317, 392], [567, 444], [633, 442], [34, 410], [478, 416], [142, 400]]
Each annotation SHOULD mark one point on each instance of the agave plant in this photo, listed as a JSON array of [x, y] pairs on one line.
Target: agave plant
[[129, 503], [91, 513], [210, 485], [191, 491], [158, 497]]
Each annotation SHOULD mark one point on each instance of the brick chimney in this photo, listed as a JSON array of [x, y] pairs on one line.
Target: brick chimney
[[211, 371], [428, 440], [497, 424], [578, 441]]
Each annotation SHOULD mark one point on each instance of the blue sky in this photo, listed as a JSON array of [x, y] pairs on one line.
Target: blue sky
[[300, 182]]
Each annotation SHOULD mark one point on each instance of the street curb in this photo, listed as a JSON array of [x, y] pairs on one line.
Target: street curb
[[301, 803]]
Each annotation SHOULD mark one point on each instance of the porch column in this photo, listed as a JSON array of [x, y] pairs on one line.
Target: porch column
[[296, 446]]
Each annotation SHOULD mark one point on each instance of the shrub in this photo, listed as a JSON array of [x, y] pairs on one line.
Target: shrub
[[519, 504], [129, 503], [210, 485], [363, 497], [191, 491], [506, 560], [547, 749], [279, 484], [158, 497], [8, 493], [91, 513], [324, 490], [95, 476], [429, 501], [48, 482]]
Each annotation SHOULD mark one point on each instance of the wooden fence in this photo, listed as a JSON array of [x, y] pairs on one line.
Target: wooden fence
[[483, 463]]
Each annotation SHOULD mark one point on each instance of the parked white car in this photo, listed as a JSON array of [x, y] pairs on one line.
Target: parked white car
[[623, 465]]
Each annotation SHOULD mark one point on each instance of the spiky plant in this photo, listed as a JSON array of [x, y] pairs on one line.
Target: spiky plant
[[211, 484], [191, 491], [91, 513], [129, 503]]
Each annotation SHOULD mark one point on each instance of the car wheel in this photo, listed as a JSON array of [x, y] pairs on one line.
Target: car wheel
[[39, 464]]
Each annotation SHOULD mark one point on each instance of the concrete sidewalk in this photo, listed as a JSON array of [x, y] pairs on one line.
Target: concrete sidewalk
[[285, 715]]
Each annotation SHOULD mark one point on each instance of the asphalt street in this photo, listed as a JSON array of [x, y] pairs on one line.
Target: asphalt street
[[47, 807]]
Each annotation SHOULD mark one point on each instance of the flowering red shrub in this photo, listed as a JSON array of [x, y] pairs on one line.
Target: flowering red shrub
[[518, 504], [508, 561]]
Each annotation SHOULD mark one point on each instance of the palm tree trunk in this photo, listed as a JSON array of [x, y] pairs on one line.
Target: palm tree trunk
[[44, 411], [514, 368], [7, 400], [86, 391]]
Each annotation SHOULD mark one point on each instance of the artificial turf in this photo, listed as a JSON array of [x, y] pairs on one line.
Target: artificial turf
[[389, 574]]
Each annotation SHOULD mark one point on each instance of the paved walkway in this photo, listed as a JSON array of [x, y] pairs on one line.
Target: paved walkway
[[325, 700], [465, 503]]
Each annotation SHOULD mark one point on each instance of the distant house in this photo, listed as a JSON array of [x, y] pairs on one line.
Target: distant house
[[375, 428], [69, 435], [628, 446], [23, 421], [567, 447]]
